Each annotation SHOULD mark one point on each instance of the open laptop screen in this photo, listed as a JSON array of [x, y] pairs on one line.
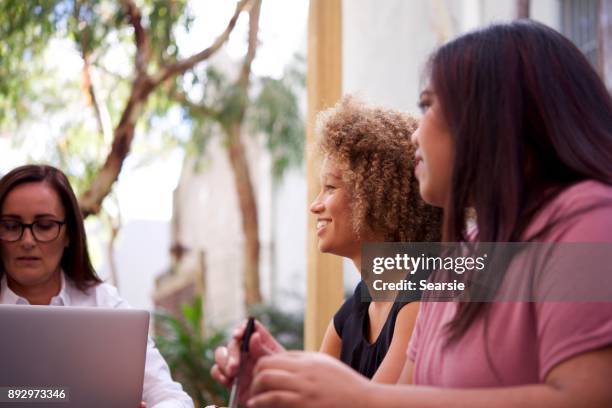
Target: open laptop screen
[[96, 356]]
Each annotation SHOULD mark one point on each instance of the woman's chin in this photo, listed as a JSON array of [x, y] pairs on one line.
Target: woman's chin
[[332, 251], [29, 276]]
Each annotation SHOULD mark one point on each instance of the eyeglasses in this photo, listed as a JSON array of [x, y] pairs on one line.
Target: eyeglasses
[[42, 230]]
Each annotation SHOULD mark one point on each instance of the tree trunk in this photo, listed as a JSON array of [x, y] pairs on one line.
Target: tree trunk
[[240, 168], [248, 211]]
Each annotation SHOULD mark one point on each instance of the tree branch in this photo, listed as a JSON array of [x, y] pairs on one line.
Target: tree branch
[[87, 86], [188, 63], [104, 127], [245, 72], [182, 98], [140, 37], [107, 71], [142, 86]]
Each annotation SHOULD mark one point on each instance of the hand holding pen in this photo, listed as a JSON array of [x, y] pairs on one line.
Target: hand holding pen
[[244, 354], [228, 359]]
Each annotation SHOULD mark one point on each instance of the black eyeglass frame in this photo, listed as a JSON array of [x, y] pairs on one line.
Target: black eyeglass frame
[[30, 226]]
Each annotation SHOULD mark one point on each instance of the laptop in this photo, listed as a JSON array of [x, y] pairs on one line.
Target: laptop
[[54, 356]]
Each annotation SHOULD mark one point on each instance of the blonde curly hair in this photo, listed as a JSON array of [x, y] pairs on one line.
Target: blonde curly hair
[[372, 147]]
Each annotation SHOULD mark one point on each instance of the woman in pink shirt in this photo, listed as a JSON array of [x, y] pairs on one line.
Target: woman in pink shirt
[[517, 126]]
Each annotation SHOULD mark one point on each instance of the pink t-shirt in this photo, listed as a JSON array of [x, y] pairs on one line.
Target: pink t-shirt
[[523, 341]]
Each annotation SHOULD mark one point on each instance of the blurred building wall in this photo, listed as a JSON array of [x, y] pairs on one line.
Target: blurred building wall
[[387, 43]]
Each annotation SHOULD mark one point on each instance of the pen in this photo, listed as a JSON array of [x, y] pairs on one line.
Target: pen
[[244, 352]]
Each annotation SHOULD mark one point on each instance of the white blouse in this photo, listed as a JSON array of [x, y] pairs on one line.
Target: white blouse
[[159, 390]]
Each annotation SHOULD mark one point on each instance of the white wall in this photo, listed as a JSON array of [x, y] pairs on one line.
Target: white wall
[[386, 43], [141, 254], [384, 46], [289, 238]]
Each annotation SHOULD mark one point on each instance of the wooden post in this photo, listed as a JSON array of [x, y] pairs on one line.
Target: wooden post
[[324, 86], [522, 8], [605, 42]]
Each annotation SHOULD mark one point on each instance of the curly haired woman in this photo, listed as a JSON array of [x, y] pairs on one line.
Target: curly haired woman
[[368, 193]]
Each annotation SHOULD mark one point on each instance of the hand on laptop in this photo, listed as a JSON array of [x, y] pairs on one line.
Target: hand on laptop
[[227, 359]]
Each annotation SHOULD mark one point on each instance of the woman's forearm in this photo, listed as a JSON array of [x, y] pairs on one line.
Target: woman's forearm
[[527, 396]]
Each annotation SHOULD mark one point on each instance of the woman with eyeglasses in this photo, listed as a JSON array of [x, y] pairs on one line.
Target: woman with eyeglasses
[[45, 262]]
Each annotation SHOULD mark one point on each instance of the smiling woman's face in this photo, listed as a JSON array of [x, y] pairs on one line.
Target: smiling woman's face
[[332, 209], [29, 262], [435, 151]]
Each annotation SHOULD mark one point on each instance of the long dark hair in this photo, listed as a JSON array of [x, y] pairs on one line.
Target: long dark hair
[[529, 117], [75, 261]]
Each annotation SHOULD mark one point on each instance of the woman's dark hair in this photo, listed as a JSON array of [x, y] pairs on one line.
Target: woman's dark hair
[[75, 261], [529, 117]]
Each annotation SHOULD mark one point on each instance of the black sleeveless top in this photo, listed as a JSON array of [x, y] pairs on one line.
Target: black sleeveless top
[[352, 325]]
